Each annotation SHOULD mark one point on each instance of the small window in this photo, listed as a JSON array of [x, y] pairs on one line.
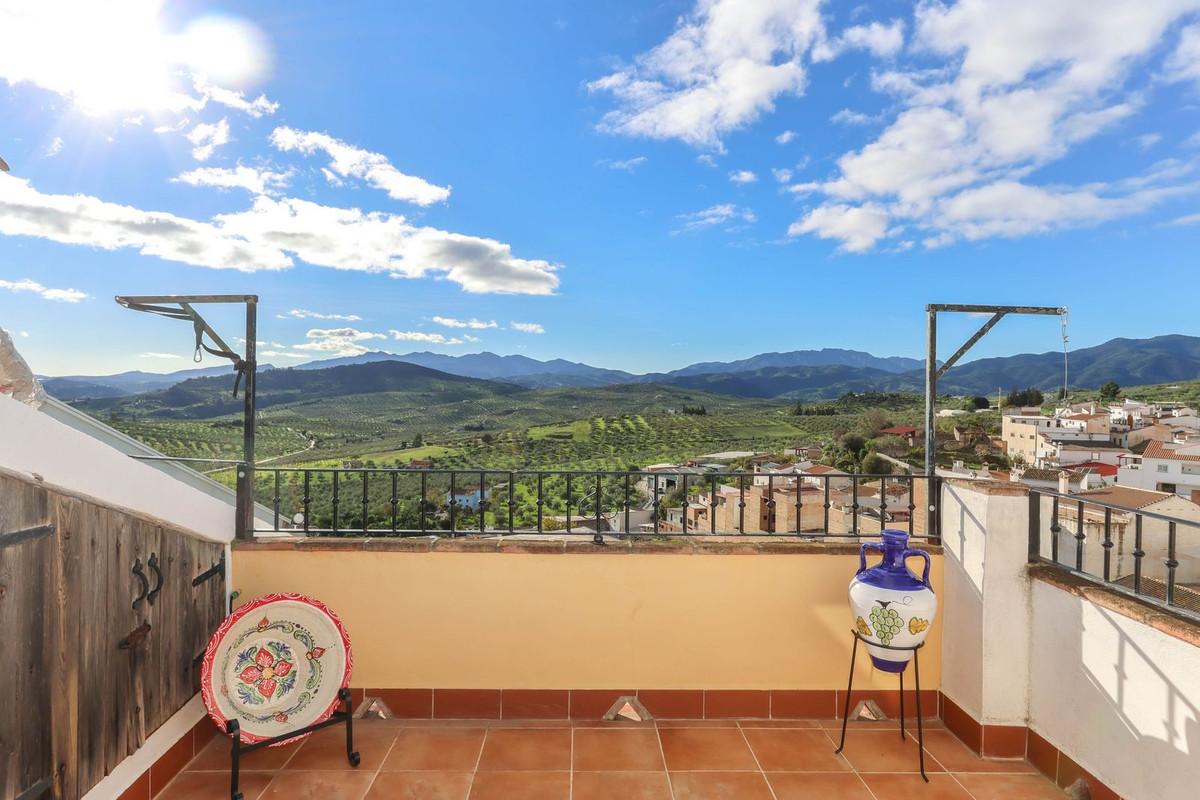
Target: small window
[[1162, 467]]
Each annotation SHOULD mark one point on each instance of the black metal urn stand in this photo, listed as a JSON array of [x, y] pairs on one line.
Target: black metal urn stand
[[237, 749], [916, 674]]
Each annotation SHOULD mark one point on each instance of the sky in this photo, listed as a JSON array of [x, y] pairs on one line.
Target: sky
[[634, 185]]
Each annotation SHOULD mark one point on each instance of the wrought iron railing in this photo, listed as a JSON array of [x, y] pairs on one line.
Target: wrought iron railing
[[454, 502], [1144, 554]]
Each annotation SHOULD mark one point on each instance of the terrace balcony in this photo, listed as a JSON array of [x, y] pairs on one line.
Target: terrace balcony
[[1066, 647]]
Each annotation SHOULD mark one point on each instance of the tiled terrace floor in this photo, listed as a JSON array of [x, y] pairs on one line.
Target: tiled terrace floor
[[667, 760]]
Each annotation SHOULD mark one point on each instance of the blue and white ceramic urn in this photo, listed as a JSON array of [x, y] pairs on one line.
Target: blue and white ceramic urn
[[891, 605]]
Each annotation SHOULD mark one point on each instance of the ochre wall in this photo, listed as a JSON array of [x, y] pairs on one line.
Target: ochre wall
[[579, 621]]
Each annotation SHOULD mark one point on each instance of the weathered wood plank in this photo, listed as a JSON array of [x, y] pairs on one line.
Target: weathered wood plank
[[70, 517], [95, 646], [119, 620], [24, 688]]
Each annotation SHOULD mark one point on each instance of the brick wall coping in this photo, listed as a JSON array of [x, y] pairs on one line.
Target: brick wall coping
[[582, 544]]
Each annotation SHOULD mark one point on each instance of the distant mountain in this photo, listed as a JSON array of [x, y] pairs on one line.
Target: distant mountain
[[812, 383], [409, 384], [521, 370], [825, 357], [123, 384], [1129, 362]]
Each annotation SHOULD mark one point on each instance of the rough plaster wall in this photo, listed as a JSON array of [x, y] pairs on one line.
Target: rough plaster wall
[[964, 515], [1006, 612]]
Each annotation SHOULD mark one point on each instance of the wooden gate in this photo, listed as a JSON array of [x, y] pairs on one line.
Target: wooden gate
[[104, 615]]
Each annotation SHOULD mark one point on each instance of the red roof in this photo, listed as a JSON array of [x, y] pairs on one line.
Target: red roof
[[900, 430], [819, 469], [1156, 449], [1103, 470]]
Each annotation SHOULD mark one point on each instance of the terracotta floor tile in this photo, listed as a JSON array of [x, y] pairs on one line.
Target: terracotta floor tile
[[884, 751], [794, 749], [617, 750], [955, 756], [720, 786], [1007, 787], [326, 749], [887, 724], [520, 749], [911, 787], [324, 785], [453, 749], [524, 785], [778, 723], [215, 756], [697, 723], [213, 786], [706, 749], [818, 786], [420, 786], [623, 785]]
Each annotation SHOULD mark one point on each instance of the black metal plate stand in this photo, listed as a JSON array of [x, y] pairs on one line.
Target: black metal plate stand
[[916, 674], [236, 748]]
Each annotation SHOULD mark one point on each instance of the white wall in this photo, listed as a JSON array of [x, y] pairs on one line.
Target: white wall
[[33, 442], [986, 604], [1118, 696]]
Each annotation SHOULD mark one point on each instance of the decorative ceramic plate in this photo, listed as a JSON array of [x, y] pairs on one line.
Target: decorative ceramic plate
[[276, 664]]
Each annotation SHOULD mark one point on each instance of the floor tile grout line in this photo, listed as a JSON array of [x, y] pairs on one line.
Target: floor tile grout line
[[571, 762], [478, 761], [762, 773], [382, 761], [663, 754]]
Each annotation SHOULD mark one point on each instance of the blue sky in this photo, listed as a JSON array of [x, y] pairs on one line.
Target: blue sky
[[636, 186]]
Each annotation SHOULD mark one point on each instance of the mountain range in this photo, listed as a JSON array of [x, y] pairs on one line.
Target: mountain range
[[799, 374]]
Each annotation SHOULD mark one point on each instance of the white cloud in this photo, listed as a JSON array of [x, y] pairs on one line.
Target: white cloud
[[527, 327], [785, 137], [349, 161], [1147, 140], [722, 68], [1019, 88], [848, 117], [1187, 219], [419, 336], [627, 165], [706, 160], [857, 227], [281, 354], [304, 313], [61, 295], [469, 338], [473, 324], [714, 215], [159, 355], [882, 41], [781, 174], [206, 138], [256, 181], [270, 232], [258, 107], [54, 148], [1184, 62], [743, 176], [338, 341]]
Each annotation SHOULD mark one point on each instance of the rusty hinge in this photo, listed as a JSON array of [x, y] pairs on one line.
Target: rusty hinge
[[135, 637], [216, 569]]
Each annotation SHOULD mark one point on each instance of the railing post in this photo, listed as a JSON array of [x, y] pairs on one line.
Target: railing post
[[1035, 525]]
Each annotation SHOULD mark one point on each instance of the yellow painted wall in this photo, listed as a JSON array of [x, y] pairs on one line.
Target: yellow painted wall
[[579, 621]]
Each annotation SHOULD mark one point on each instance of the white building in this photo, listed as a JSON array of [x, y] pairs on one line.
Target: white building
[[1164, 467]]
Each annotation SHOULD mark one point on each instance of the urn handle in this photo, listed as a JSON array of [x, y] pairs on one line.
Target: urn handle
[[910, 552], [862, 554]]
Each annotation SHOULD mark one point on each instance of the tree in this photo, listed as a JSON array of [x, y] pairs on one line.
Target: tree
[[875, 464], [1025, 397], [1110, 390], [852, 449], [874, 420], [976, 403]]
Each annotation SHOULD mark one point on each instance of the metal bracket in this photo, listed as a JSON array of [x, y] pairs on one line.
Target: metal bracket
[[29, 534], [158, 579], [145, 582], [216, 569]]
